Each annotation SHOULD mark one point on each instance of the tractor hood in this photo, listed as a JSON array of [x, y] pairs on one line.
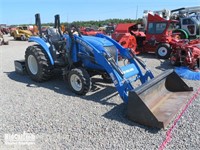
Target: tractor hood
[[96, 41]]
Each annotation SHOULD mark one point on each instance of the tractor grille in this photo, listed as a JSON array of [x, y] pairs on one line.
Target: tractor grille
[[112, 50]]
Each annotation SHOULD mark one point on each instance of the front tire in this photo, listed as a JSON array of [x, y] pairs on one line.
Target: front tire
[[163, 51], [37, 64], [79, 81]]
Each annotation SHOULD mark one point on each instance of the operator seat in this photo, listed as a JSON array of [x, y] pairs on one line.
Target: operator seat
[[55, 38], [53, 35]]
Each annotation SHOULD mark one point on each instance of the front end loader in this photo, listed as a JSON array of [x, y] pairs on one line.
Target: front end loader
[[154, 103]]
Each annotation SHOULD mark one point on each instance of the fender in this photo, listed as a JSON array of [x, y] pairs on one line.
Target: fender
[[45, 46]]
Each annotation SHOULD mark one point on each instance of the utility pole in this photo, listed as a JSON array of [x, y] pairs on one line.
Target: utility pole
[[136, 12]]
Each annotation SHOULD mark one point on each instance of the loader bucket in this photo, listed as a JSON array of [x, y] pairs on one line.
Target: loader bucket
[[157, 102]]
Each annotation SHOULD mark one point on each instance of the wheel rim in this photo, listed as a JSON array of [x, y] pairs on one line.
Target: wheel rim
[[162, 51], [32, 64], [76, 82]]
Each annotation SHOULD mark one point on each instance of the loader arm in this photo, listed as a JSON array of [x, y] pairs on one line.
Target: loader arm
[[132, 58]]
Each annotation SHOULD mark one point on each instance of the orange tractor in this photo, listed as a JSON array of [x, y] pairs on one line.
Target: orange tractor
[[158, 37]]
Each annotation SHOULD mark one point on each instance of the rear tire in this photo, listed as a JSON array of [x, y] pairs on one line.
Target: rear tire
[[37, 64], [79, 81], [163, 51]]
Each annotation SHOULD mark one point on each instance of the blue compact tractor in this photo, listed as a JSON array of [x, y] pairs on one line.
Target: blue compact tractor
[[81, 57]]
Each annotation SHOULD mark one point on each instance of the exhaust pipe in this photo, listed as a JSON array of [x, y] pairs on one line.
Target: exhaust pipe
[[156, 102]]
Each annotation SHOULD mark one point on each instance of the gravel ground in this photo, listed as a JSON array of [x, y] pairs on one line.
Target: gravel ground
[[61, 120]]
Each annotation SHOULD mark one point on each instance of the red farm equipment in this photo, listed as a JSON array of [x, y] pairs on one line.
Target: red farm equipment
[[89, 31], [186, 53], [158, 38], [120, 30]]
